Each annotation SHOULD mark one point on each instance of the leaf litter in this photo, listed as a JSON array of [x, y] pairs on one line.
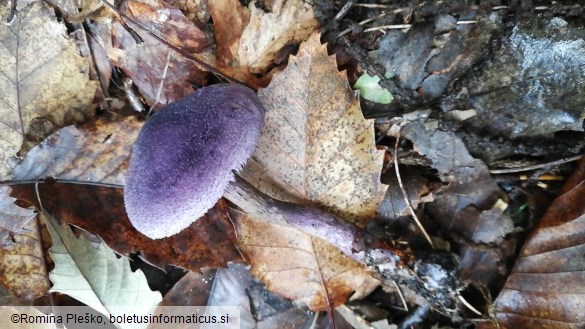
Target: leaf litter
[[448, 213]]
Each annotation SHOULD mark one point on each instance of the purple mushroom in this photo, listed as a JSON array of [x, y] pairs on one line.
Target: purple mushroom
[[184, 156]]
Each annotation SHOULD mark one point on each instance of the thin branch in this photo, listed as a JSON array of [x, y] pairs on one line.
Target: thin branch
[[533, 167], [405, 195], [469, 306]]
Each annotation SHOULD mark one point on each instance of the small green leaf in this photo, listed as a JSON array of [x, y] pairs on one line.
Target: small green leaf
[[371, 90]]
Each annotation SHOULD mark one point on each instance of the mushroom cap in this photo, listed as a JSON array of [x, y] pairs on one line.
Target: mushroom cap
[[184, 156]]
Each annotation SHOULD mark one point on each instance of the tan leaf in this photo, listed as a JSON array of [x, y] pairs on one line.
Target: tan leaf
[[22, 265], [250, 38], [44, 81], [299, 266], [316, 144]]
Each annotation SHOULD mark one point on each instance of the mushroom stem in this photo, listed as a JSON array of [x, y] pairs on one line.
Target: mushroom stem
[[311, 220]]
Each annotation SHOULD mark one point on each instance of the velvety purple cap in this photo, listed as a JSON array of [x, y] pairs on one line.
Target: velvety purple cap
[[183, 158]]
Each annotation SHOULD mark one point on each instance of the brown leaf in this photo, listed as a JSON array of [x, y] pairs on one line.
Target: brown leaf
[[151, 64], [316, 144], [100, 210], [22, 263], [300, 267], [195, 10], [250, 38], [45, 80], [96, 152], [545, 289], [168, 21]]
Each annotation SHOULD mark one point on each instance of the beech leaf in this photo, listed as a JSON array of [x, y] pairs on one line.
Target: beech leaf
[[317, 146], [545, 288], [299, 266], [315, 143]]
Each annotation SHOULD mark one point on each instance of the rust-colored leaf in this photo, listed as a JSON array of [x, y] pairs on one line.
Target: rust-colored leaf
[[170, 22], [100, 210], [45, 81], [545, 288]]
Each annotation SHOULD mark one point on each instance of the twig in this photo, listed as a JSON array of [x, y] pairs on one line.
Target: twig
[[469, 306], [401, 296], [344, 10], [404, 194], [407, 26], [381, 28], [162, 82], [372, 5], [533, 167]]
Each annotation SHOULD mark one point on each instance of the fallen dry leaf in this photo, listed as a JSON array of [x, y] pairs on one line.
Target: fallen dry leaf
[[249, 38], [215, 287], [100, 211], [467, 207], [545, 289], [162, 75], [316, 144], [12, 217], [22, 263], [96, 152], [299, 266], [45, 81], [93, 274]]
